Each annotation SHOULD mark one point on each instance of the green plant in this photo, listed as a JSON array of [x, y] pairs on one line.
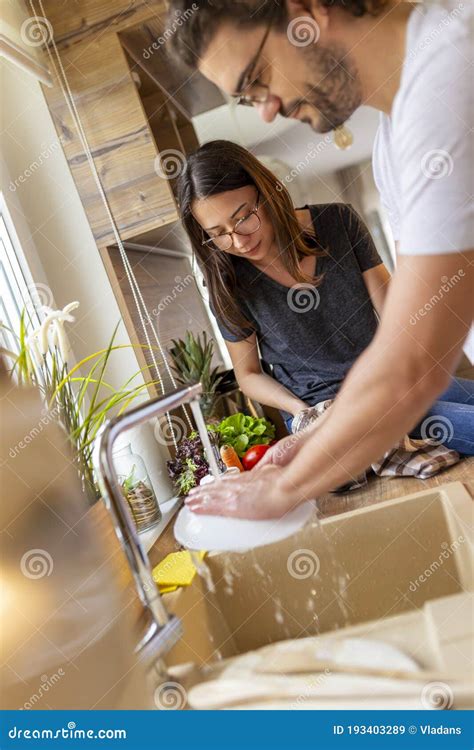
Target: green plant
[[189, 465], [129, 482], [242, 432], [192, 363], [81, 403]]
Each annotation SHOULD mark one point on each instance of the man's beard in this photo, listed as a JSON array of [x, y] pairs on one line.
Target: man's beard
[[334, 88]]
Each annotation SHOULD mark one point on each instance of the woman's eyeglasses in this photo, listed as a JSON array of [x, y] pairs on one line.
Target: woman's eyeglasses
[[248, 224]]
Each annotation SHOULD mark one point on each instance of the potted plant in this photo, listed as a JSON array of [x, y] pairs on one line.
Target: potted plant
[[80, 403], [192, 363]]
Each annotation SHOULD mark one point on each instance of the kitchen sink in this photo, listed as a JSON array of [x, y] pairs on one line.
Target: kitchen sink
[[365, 566]]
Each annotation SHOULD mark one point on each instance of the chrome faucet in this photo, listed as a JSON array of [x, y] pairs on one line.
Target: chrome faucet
[[165, 629]]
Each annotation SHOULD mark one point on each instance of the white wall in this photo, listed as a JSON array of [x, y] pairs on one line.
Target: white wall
[[50, 220], [58, 244]]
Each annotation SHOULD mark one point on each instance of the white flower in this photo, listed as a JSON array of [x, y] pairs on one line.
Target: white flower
[[52, 328]]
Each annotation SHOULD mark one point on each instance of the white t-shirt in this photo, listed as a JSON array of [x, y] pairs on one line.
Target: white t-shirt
[[423, 157]]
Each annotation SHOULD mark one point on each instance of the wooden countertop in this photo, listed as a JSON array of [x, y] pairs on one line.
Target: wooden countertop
[[377, 490], [380, 489]]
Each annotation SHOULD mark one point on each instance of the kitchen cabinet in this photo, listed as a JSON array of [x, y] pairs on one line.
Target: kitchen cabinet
[[133, 106]]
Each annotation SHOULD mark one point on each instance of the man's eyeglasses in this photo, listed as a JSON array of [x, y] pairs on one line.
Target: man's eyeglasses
[[248, 224], [250, 92]]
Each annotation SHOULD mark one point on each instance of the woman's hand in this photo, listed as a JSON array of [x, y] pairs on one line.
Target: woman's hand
[[260, 493]]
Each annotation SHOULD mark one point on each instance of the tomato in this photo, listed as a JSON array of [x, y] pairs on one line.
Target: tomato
[[253, 456]]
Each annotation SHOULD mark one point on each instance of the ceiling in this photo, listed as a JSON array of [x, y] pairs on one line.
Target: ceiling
[[288, 140]]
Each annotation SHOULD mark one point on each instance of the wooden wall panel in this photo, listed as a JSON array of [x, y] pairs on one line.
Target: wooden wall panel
[[77, 20], [120, 139]]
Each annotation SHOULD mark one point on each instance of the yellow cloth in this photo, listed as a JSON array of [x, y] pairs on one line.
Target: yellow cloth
[[176, 569]]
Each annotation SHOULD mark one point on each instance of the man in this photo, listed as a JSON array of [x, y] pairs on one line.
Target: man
[[318, 61]]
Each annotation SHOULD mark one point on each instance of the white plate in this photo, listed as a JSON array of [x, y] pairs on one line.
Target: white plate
[[364, 652], [219, 533]]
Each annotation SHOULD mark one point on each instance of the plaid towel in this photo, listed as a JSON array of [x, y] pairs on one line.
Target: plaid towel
[[408, 458]]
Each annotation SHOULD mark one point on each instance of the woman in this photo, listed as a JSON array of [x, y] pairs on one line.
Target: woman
[[296, 292]]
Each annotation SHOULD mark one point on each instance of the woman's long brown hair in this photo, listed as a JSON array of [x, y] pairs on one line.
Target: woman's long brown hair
[[220, 166]]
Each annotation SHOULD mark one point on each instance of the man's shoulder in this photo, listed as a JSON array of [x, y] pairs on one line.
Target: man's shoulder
[[438, 42]]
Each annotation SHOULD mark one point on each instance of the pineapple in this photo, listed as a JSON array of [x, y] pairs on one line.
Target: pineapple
[[192, 360]]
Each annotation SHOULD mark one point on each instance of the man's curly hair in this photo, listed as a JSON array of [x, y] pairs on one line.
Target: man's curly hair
[[195, 22]]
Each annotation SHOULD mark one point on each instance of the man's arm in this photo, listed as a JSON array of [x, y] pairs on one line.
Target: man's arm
[[427, 316], [377, 281]]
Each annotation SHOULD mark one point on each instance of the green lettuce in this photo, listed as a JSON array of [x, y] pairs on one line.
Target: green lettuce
[[243, 432]]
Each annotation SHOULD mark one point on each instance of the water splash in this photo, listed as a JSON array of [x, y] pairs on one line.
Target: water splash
[[203, 570], [279, 616], [228, 576], [339, 577]]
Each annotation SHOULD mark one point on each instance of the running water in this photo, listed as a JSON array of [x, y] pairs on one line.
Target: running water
[[228, 576], [203, 570], [200, 565], [204, 435], [279, 616], [339, 576]]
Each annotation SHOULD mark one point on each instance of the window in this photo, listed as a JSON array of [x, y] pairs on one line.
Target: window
[[17, 289]]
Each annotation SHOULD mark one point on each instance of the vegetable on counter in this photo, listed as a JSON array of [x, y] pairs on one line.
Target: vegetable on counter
[[230, 457], [253, 456], [236, 435], [190, 465], [243, 432]]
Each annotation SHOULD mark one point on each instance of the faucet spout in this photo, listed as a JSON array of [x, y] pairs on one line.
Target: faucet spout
[[165, 630]]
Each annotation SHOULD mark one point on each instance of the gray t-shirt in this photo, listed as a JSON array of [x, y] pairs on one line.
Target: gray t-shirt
[[309, 337]]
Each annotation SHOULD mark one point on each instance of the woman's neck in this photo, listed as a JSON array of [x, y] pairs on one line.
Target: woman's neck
[[272, 260]]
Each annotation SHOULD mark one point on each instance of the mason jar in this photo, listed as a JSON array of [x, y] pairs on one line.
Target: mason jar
[[137, 488]]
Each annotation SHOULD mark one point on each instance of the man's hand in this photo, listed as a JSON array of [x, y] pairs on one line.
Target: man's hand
[[260, 493], [284, 451]]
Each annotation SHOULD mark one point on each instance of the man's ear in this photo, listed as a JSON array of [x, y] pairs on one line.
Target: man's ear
[[313, 8]]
